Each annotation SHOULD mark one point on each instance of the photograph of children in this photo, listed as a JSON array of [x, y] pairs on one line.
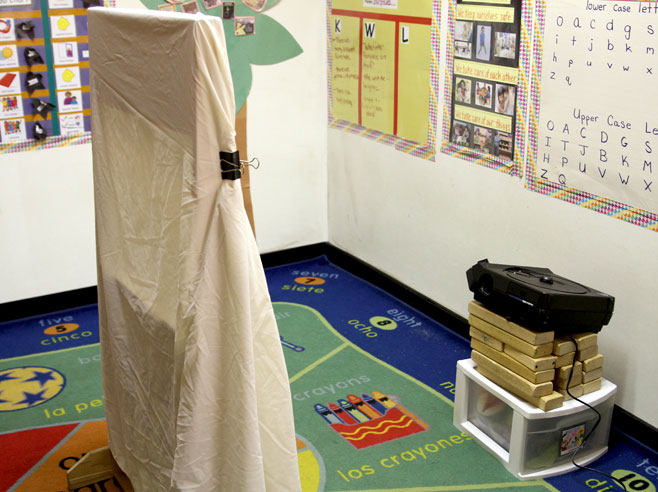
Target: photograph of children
[[464, 31], [461, 133], [256, 5], [505, 46], [502, 145], [483, 39], [211, 4], [190, 7], [483, 93], [245, 26], [483, 139], [463, 90], [228, 10], [463, 49], [505, 98]]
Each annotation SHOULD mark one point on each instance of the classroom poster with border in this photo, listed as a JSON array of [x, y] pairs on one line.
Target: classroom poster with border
[[383, 71], [488, 65], [591, 136], [44, 74]]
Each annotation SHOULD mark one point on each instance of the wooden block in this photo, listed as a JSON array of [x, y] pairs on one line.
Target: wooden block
[[564, 371], [562, 383], [513, 365], [592, 375], [511, 340], [530, 336], [585, 340], [592, 363], [576, 391], [522, 386], [546, 403], [562, 345], [565, 360], [94, 467], [533, 363], [486, 339], [551, 402], [591, 386], [587, 353]]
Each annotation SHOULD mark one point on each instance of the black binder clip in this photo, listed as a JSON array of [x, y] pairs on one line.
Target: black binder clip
[[39, 132], [25, 29], [33, 82], [32, 57], [231, 166], [42, 107]]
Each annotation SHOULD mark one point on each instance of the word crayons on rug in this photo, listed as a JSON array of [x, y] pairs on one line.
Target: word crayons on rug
[[533, 365]]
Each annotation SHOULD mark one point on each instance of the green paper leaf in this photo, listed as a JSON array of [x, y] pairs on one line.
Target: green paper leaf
[[242, 77], [271, 43]]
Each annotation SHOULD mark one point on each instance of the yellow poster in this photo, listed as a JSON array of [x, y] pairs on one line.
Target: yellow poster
[[345, 68], [380, 57], [378, 75]]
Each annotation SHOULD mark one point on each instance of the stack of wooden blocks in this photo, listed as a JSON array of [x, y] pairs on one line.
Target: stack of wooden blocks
[[533, 365]]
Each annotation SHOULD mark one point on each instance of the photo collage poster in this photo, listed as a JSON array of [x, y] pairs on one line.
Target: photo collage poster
[[485, 94], [383, 71], [44, 74], [594, 129]]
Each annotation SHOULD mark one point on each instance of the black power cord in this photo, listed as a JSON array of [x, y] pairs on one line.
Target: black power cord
[[598, 420]]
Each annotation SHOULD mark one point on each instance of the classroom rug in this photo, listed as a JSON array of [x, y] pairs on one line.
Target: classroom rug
[[372, 382]]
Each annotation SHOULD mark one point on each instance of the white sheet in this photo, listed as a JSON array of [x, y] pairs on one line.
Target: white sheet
[[196, 388]]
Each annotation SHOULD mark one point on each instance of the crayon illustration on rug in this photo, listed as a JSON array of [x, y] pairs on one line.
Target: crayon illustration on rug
[[372, 382]]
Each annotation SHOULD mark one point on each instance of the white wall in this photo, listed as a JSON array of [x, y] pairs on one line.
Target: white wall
[[426, 223], [47, 240], [287, 131], [46, 199]]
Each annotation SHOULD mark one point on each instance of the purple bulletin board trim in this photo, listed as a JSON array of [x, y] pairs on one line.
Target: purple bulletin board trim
[[55, 142]]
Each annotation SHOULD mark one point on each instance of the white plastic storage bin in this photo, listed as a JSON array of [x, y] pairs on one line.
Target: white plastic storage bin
[[530, 442]]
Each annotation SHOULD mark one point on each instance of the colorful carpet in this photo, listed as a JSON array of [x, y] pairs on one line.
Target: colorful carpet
[[372, 383]]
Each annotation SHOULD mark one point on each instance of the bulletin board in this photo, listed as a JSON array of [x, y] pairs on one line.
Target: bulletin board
[[594, 127], [383, 71], [44, 74], [486, 87], [57, 81]]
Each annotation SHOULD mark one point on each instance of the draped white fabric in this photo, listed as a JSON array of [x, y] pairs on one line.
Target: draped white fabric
[[195, 383]]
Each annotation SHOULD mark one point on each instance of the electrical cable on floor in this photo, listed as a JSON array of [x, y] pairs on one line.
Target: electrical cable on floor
[[598, 420]]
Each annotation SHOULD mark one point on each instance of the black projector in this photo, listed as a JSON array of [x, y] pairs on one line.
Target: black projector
[[538, 299]]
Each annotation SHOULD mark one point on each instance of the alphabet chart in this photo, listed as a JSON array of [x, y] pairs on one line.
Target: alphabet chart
[[383, 70], [595, 124]]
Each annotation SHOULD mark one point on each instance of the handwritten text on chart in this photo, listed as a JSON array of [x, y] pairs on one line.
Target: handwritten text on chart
[[596, 131]]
